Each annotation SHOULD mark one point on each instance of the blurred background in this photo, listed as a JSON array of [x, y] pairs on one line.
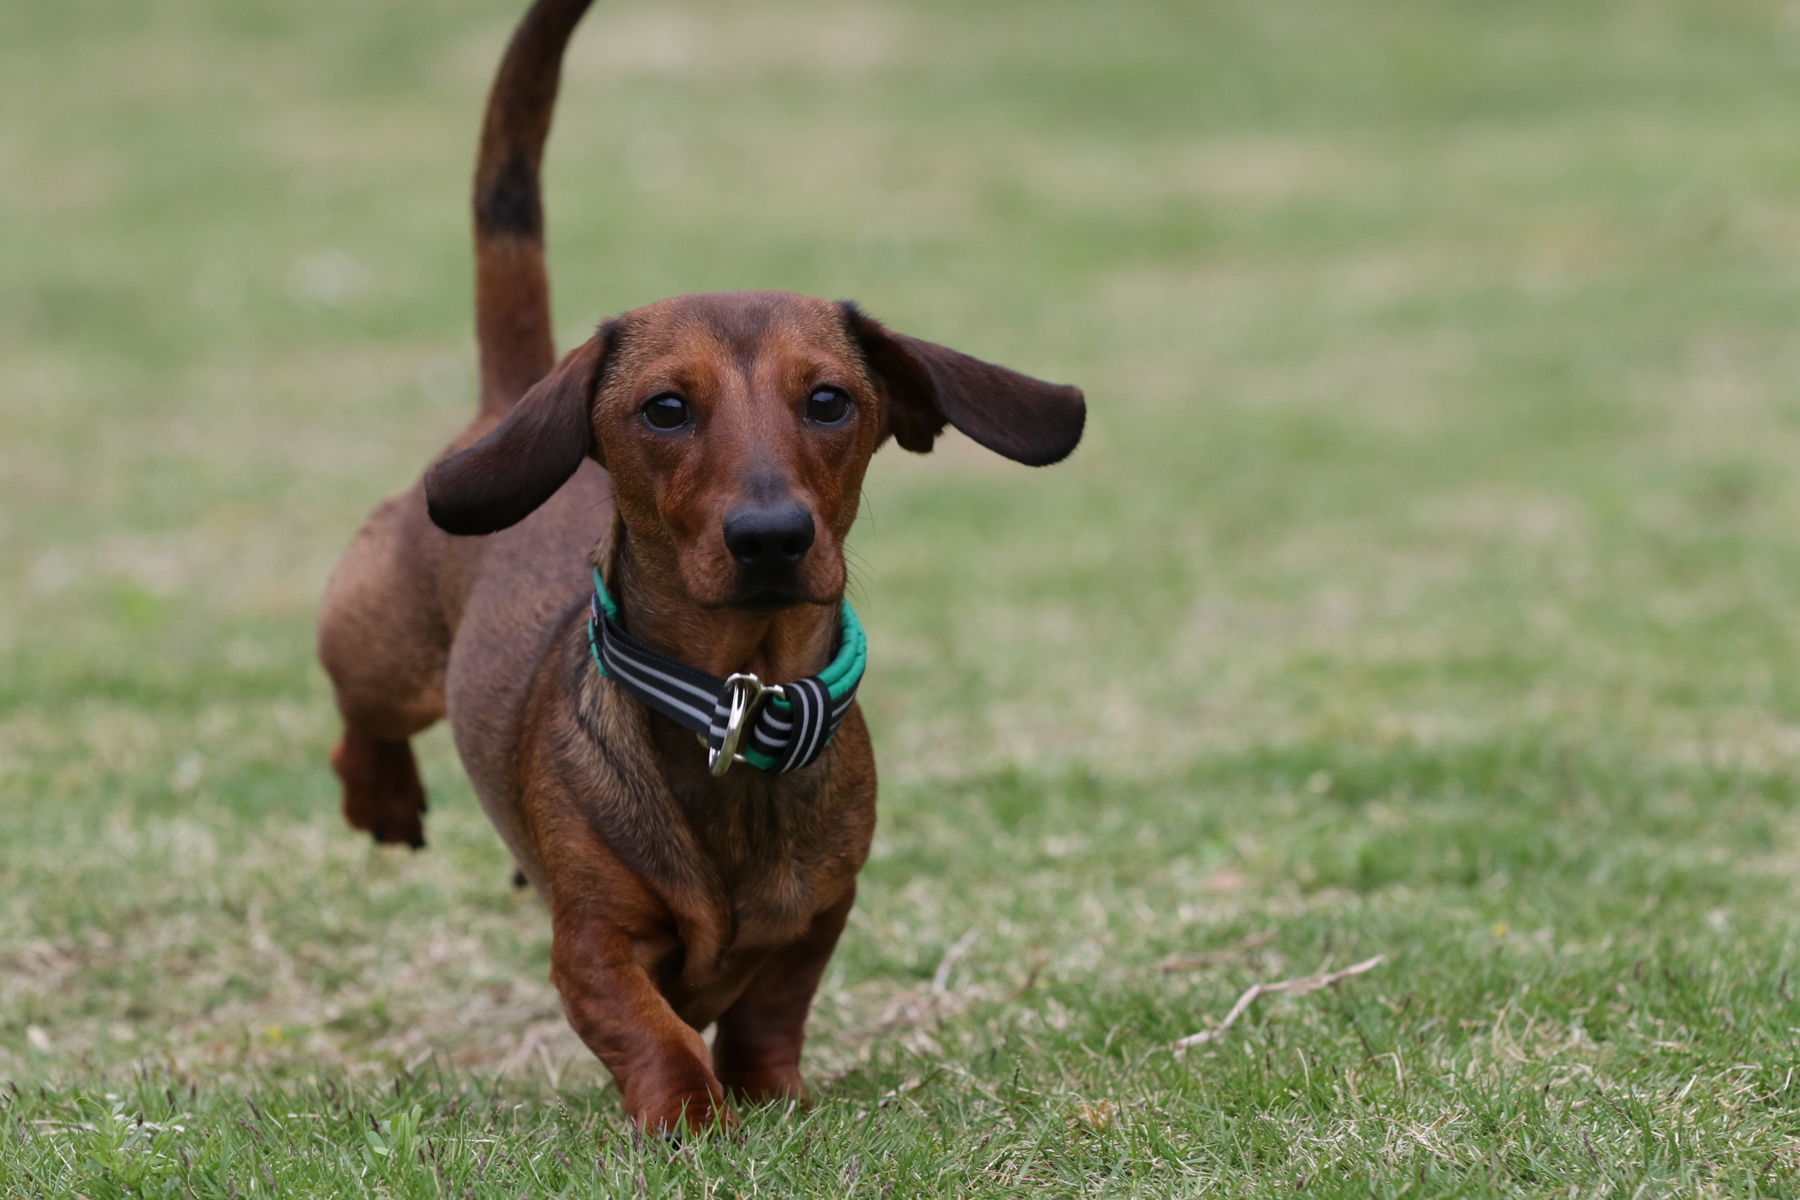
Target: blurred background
[[1425, 582]]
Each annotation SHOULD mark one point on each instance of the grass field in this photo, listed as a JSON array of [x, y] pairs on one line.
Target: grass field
[[1426, 587]]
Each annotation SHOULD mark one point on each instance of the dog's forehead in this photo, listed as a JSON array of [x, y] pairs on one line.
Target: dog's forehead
[[741, 328]]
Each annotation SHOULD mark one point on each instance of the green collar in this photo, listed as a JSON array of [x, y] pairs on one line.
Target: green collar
[[780, 727]]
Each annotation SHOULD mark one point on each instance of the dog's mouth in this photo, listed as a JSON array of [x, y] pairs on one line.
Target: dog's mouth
[[766, 601]]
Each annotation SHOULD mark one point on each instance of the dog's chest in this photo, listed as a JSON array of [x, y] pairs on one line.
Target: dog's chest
[[762, 906], [780, 848], [768, 876]]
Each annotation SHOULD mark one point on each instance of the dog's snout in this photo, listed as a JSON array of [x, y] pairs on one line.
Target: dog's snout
[[767, 538]]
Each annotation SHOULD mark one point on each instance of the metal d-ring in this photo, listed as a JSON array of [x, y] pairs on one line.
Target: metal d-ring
[[747, 691]]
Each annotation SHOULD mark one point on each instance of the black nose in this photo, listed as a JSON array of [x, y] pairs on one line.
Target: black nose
[[767, 539]]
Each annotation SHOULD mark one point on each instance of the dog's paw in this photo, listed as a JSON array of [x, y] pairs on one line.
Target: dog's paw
[[675, 1117], [383, 795], [415, 838]]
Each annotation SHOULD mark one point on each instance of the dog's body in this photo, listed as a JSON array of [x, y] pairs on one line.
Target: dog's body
[[734, 430]]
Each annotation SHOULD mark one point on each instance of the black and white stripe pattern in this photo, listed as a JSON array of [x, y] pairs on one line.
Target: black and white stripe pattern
[[795, 738], [782, 736], [674, 689]]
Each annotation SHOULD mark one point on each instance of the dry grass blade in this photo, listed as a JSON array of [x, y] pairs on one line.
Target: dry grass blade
[[940, 979], [1295, 987], [531, 1043]]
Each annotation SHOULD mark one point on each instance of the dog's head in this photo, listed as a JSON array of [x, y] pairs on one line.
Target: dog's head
[[736, 428]]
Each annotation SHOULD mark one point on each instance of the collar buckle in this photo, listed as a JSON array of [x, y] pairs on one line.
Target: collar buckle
[[747, 692]]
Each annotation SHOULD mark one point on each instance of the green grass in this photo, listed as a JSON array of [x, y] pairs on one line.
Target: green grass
[[1426, 587]]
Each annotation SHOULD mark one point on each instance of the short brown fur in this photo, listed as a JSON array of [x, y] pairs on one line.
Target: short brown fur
[[677, 900]]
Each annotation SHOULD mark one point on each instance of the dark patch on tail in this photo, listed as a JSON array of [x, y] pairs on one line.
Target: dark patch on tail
[[511, 205], [512, 293]]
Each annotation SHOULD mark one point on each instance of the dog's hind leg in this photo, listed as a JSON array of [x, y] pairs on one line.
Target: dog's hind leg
[[384, 642], [382, 791]]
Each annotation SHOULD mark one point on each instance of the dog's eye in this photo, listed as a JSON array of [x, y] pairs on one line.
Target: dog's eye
[[667, 411], [827, 406]]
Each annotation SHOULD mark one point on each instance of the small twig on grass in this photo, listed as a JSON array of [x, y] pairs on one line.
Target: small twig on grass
[[1195, 962], [1294, 987]]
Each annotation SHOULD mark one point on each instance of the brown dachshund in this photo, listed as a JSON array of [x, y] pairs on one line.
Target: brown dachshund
[[702, 458]]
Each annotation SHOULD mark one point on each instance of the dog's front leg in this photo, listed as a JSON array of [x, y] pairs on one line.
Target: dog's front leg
[[757, 1051], [659, 1061]]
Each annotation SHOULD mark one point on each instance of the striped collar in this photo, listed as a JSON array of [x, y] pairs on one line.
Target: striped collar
[[776, 727]]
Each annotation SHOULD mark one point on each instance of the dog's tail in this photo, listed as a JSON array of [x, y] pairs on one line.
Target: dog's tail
[[512, 292]]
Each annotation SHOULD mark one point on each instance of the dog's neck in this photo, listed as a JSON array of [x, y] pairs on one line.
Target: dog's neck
[[655, 608]]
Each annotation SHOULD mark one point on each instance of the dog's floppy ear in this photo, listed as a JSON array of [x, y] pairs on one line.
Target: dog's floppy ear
[[501, 480], [929, 386]]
